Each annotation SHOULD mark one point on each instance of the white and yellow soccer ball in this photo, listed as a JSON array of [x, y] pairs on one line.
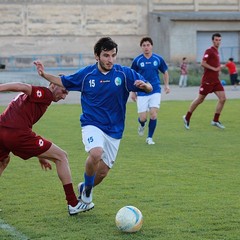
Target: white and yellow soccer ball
[[129, 219]]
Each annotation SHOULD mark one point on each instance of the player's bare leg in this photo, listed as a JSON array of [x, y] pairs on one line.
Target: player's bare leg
[[59, 157], [196, 102], [142, 120], [101, 173], [92, 163], [3, 164], [220, 104], [221, 101]]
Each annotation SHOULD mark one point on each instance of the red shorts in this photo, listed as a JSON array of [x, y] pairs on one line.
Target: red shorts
[[207, 88], [22, 143]]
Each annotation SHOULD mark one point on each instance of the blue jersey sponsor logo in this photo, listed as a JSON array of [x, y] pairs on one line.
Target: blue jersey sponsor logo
[[105, 81], [118, 81]]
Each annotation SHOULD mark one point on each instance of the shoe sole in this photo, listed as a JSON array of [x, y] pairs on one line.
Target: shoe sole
[[214, 125]]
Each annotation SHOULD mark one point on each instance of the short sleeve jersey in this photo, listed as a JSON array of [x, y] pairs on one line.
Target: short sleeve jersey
[[211, 57], [103, 96], [149, 68], [232, 69], [25, 110]]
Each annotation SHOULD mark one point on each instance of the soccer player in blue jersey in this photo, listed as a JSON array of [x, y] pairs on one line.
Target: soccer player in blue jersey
[[149, 65], [105, 88]]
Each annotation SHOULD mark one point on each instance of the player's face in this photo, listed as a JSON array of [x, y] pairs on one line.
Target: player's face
[[106, 60], [146, 47], [217, 42], [59, 93]]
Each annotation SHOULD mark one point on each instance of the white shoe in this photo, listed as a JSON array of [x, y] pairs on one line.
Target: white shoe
[[186, 123], [86, 195], [217, 124], [141, 130], [80, 207], [149, 141]]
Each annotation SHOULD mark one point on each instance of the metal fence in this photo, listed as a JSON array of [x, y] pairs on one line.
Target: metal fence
[[52, 61]]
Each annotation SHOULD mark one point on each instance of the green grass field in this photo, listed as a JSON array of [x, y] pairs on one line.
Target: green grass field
[[186, 185]]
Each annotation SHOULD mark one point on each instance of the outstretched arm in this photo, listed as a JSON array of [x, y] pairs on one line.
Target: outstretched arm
[[45, 164], [16, 87], [49, 77]]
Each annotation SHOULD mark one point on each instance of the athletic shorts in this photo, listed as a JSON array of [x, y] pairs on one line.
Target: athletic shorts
[[144, 103], [207, 88], [22, 143], [94, 137]]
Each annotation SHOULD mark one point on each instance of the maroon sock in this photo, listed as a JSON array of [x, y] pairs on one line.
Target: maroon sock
[[70, 195], [188, 116], [216, 117]]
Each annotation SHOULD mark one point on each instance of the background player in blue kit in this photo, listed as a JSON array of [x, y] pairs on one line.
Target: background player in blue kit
[[105, 88], [148, 64]]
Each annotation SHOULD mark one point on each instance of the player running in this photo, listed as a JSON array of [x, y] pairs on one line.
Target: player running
[[210, 83], [149, 65], [16, 134], [104, 88]]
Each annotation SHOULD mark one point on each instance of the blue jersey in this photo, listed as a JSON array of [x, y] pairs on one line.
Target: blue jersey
[[104, 96], [149, 68]]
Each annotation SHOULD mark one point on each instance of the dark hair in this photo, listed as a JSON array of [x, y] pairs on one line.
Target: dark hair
[[230, 59], [184, 58], [104, 44], [146, 39], [216, 35]]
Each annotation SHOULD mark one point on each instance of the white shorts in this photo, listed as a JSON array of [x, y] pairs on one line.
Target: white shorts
[[150, 101], [94, 137]]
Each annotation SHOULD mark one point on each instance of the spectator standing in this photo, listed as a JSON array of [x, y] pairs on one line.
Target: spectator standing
[[184, 73]]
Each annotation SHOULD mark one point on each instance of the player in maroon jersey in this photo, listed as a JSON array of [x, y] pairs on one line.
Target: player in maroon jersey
[[16, 134], [210, 83]]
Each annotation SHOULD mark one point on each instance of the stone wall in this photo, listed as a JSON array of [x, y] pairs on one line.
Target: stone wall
[[34, 27], [30, 27]]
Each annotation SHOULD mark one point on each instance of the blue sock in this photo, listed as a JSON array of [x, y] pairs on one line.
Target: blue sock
[[142, 123], [151, 127], [89, 180]]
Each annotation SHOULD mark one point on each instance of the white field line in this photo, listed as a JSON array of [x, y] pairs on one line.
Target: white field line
[[12, 231]]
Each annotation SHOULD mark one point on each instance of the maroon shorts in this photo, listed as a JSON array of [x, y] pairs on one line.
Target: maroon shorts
[[207, 88], [22, 143]]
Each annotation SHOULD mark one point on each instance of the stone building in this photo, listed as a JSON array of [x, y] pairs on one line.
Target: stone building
[[66, 30]]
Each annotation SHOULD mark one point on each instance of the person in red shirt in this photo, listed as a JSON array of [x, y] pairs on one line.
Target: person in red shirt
[[16, 134], [210, 83], [233, 73]]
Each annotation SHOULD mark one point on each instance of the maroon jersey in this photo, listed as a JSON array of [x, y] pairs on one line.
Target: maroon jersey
[[211, 57], [25, 110]]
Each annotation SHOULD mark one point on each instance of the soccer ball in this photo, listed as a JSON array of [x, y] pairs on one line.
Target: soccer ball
[[129, 219], [223, 82]]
